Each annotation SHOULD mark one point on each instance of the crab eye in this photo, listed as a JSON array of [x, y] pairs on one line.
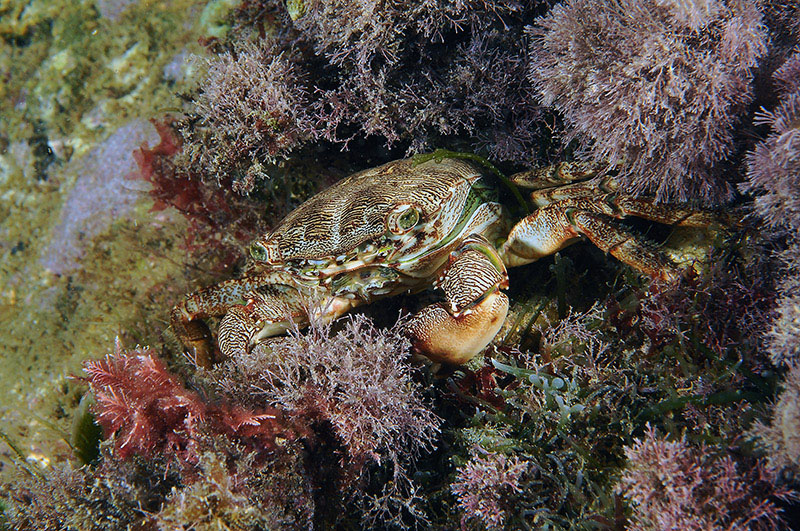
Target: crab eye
[[408, 219], [258, 252], [403, 219]]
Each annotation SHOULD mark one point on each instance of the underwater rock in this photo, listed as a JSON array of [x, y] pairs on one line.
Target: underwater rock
[[112, 9], [100, 195]]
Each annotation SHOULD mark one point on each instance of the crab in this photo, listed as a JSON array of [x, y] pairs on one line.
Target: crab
[[409, 226]]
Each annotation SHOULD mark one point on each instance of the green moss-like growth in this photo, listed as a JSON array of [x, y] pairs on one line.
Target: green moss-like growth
[[86, 433], [80, 74]]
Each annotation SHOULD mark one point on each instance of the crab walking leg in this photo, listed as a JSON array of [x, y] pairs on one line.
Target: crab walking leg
[[572, 183], [668, 214], [194, 335], [457, 329], [557, 175], [550, 229], [621, 206]]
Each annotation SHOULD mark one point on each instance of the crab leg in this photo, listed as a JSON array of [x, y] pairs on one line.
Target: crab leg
[[458, 328], [581, 180], [665, 213], [571, 184], [550, 229], [557, 175], [572, 204]]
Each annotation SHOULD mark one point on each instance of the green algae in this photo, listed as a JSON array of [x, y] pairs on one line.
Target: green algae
[[86, 433], [79, 75], [214, 19]]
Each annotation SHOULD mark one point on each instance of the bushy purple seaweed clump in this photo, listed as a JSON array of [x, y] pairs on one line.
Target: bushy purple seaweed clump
[[355, 389], [654, 88], [675, 485], [773, 167], [783, 338], [254, 108], [485, 486], [412, 75], [780, 438], [423, 68], [773, 174]]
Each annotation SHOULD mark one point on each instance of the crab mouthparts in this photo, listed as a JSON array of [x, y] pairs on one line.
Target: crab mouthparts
[[327, 268]]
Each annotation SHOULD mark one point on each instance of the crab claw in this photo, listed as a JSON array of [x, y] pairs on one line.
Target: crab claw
[[269, 311], [238, 330], [259, 299], [457, 329]]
